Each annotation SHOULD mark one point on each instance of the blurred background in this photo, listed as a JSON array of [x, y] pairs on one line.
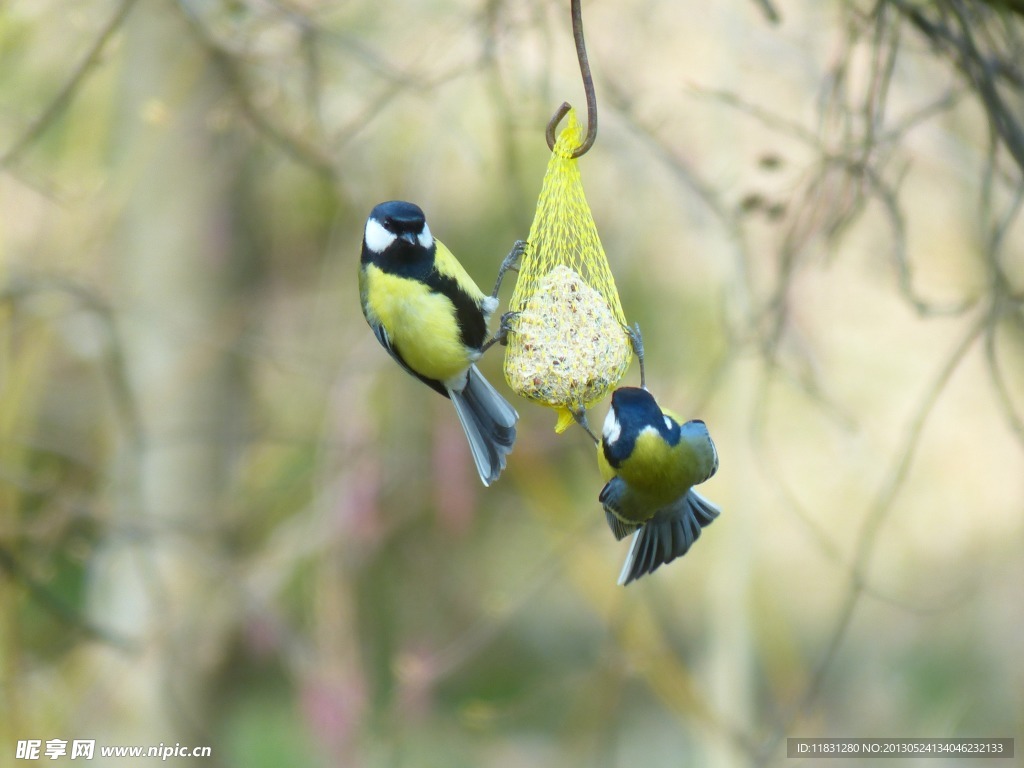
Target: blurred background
[[228, 519]]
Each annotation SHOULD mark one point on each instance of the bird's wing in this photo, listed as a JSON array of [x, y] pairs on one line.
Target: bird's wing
[[667, 535], [611, 498], [703, 510], [472, 307], [385, 341]]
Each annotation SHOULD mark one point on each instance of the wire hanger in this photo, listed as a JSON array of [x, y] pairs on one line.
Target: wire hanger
[[588, 88]]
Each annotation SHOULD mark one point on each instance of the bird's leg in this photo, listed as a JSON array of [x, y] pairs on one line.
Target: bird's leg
[[510, 262], [637, 341], [580, 414], [504, 329]]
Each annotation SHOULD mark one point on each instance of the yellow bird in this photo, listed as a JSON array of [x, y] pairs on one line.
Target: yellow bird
[[431, 317], [651, 463]]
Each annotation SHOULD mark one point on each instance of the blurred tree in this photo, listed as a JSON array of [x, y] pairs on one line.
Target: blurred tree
[[185, 263]]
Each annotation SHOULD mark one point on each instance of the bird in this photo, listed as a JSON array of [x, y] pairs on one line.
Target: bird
[[650, 463], [432, 318]]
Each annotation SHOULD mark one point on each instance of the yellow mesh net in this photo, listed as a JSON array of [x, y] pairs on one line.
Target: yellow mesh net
[[567, 346]]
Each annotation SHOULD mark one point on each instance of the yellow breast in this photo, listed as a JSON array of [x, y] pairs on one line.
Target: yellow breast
[[656, 470], [420, 323]]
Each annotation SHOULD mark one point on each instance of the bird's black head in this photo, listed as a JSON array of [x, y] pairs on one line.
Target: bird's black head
[[632, 410], [635, 404], [397, 235], [400, 218]]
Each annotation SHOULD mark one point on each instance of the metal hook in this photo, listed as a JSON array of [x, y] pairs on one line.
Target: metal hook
[[588, 88]]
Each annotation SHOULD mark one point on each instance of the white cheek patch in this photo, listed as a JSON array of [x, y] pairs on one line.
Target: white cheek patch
[[668, 423], [377, 238], [425, 238], [612, 429]]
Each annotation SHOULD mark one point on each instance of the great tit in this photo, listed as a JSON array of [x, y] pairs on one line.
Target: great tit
[[431, 317], [651, 463]]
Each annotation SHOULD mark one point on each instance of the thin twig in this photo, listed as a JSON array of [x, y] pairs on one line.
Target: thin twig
[[771, 13], [65, 95], [300, 148], [870, 528], [52, 604]]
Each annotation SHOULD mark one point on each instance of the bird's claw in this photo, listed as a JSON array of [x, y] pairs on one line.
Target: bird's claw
[[509, 263], [636, 340], [580, 415], [504, 329]]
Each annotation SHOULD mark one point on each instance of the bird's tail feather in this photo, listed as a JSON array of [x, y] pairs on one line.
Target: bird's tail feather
[[667, 535], [489, 423]]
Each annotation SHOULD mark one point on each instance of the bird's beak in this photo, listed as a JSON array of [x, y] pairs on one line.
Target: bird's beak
[[409, 237]]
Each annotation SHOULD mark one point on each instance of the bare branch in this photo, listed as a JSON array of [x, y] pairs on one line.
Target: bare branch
[[771, 13], [67, 93], [300, 148], [52, 604], [871, 525]]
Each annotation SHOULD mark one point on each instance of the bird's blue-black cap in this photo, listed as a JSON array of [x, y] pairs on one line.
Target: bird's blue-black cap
[[399, 217], [636, 399]]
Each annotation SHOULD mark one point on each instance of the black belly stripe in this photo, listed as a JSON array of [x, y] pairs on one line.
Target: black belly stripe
[[468, 314]]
